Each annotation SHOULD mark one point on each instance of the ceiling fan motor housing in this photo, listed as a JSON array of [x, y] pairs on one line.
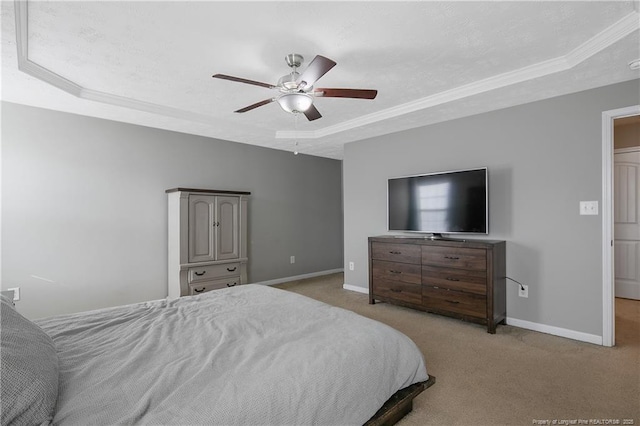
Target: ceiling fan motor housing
[[288, 82]]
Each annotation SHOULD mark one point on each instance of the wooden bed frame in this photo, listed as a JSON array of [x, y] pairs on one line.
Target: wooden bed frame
[[399, 405]]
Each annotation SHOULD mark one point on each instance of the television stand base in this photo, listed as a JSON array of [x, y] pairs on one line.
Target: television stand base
[[440, 237]]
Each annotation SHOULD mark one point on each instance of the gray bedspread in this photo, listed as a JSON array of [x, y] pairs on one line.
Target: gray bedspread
[[248, 355]]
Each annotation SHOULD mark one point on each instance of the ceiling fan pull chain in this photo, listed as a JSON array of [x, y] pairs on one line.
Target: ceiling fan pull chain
[[295, 131]]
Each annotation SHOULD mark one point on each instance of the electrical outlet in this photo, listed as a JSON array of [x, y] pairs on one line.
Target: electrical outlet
[[351, 266], [525, 292], [16, 293], [292, 259]]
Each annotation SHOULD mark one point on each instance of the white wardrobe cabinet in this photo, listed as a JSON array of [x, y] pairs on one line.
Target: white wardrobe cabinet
[[207, 240]]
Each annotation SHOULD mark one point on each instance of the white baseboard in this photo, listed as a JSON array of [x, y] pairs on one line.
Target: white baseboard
[[542, 328], [556, 331], [355, 288], [627, 290], [299, 277]]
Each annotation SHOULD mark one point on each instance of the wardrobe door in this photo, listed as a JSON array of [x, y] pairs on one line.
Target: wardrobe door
[[202, 228], [227, 228]]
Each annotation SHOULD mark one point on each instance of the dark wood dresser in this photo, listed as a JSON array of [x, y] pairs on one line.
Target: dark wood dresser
[[465, 279]]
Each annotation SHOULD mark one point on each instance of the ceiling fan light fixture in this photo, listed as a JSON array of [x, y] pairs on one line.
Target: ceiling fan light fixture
[[295, 102]]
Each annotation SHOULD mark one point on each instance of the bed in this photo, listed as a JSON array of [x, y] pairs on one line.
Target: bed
[[247, 355]]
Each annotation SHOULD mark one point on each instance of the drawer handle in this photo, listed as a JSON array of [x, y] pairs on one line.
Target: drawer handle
[[452, 257], [395, 290], [455, 302], [232, 269], [198, 291], [395, 252], [200, 273], [395, 272], [231, 285], [452, 279]]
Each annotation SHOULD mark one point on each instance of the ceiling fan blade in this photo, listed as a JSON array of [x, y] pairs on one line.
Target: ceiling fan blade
[[346, 93], [312, 113], [316, 69], [243, 80], [256, 105]]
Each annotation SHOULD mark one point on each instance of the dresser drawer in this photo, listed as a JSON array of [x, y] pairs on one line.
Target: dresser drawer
[[453, 301], [471, 281], [403, 253], [210, 272], [452, 257], [394, 271], [397, 290], [213, 285]]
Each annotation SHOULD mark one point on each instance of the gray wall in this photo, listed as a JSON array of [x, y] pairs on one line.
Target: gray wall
[[84, 215], [543, 158]]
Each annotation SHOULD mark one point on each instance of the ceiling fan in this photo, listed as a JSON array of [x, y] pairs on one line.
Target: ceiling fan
[[296, 90]]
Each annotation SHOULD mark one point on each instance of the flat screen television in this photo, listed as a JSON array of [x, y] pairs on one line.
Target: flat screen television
[[452, 202]]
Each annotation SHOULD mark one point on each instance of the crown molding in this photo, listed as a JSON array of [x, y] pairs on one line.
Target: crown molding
[[44, 74], [591, 47], [604, 39], [594, 45]]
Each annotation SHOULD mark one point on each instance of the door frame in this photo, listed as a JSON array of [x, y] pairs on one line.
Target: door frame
[[608, 288]]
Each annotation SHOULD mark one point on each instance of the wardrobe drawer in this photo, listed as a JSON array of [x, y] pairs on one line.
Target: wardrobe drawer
[[403, 292], [395, 271], [463, 258], [213, 285], [403, 253], [458, 302], [455, 279], [210, 272]]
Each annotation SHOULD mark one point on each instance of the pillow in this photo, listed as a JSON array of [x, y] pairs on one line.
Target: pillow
[[29, 376], [5, 298]]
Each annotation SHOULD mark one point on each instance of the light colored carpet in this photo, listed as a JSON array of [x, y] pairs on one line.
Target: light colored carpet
[[515, 377]]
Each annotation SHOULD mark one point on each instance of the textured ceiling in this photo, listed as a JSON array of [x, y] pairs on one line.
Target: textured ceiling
[[150, 63]]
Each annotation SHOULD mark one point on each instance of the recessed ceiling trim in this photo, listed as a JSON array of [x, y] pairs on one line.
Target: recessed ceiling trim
[[22, 37], [604, 39], [44, 74], [599, 42], [495, 82], [31, 68]]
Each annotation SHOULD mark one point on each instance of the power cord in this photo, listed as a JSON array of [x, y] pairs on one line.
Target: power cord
[[517, 282]]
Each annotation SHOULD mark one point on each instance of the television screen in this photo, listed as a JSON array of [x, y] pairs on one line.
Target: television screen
[[446, 202]]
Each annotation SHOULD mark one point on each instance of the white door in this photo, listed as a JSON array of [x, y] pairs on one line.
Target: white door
[[626, 187]]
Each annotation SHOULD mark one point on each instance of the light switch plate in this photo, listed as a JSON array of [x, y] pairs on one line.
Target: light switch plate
[[588, 207], [16, 293]]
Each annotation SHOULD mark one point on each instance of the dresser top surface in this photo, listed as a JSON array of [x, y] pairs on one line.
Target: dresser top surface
[[206, 191], [428, 240]]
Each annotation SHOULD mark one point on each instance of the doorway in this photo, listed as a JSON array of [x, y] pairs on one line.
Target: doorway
[[608, 270]]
